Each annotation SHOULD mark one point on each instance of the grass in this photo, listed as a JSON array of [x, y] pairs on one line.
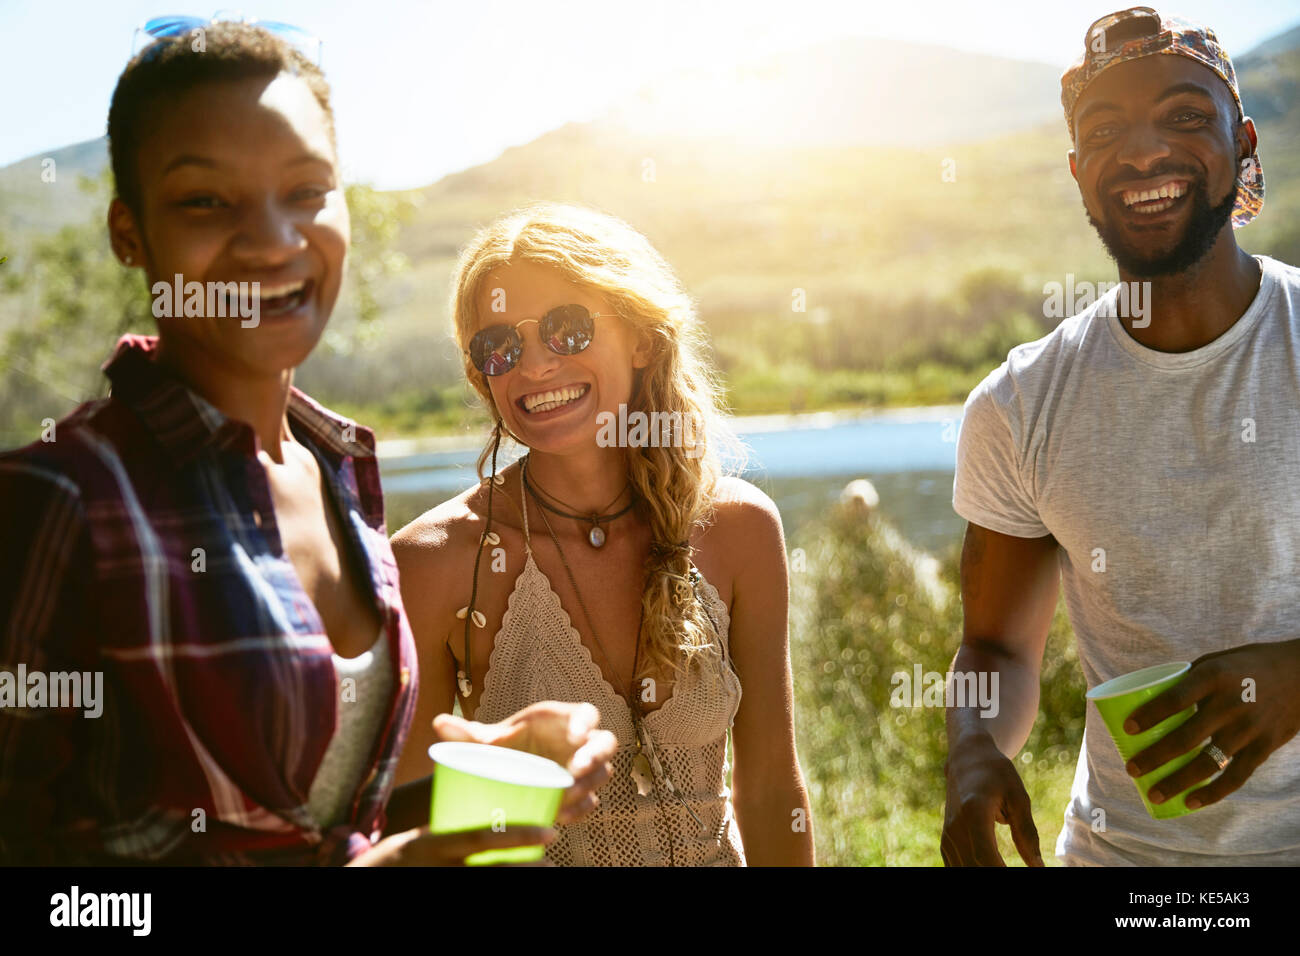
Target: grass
[[869, 606], [764, 391], [873, 833], [795, 388], [412, 413]]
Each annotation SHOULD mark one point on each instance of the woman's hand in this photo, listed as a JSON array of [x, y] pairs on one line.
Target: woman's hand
[[420, 847], [565, 733]]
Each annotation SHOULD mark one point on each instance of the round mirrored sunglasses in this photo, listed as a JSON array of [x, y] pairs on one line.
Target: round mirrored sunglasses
[[565, 330]]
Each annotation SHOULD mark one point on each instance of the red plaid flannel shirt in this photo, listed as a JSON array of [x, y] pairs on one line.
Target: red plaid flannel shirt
[[219, 691]]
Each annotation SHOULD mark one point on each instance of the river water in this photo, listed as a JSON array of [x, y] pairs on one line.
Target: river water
[[909, 456]]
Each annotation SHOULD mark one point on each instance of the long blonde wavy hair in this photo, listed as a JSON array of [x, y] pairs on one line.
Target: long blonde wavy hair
[[675, 485]]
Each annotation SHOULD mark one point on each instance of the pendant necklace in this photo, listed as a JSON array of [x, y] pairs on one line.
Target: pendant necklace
[[596, 536], [646, 766]]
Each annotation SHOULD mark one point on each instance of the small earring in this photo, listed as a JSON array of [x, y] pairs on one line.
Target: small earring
[[129, 260]]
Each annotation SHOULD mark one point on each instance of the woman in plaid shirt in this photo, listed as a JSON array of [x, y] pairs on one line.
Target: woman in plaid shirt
[[208, 541]]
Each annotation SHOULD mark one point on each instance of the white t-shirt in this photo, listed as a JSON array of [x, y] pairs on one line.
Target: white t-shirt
[[362, 705], [1182, 473]]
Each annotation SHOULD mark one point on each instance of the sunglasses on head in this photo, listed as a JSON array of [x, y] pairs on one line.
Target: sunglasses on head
[[174, 28], [565, 330]]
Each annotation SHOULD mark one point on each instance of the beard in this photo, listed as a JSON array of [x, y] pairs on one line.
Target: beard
[[1198, 238]]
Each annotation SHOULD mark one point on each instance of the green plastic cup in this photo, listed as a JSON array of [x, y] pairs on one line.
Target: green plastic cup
[[478, 787], [1116, 699]]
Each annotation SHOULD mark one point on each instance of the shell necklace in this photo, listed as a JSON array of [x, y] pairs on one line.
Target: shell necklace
[[646, 766], [596, 536]]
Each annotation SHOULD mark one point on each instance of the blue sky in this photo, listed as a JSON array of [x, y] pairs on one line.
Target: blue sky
[[425, 89]]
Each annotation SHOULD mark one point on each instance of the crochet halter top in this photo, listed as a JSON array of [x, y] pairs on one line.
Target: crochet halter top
[[537, 655]]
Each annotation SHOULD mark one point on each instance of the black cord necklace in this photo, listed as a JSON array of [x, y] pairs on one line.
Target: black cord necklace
[[647, 769], [596, 536]]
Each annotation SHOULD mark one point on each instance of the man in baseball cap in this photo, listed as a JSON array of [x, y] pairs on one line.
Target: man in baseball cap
[[1170, 46], [1140, 32], [1144, 453]]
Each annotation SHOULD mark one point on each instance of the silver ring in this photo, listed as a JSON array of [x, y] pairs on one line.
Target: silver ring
[[1218, 756]]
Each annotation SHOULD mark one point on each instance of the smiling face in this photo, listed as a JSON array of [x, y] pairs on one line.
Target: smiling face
[[551, 401], [238, 182], [1158, 148]]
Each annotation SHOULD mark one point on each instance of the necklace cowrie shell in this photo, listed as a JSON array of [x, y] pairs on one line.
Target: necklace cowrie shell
[[492, 538], [466, 688], [642, 775], [479, 618]]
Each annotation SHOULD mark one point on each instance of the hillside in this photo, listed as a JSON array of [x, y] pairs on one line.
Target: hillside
[[848, 92], [862, 229], [31, 205], [918, 197]]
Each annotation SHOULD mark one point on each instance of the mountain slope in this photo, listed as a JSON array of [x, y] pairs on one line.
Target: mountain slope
[[854, 91], [885, 241], [29, 202]]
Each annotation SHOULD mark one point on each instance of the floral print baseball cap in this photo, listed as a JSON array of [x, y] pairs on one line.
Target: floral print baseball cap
[[1141, 31]]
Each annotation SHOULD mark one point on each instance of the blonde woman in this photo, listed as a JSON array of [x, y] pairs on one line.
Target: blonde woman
[[613, 563]]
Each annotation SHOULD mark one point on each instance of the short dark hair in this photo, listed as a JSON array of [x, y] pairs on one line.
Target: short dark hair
[[230, 51]]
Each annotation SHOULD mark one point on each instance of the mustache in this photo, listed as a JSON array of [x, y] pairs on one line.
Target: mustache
[[1136, 182]]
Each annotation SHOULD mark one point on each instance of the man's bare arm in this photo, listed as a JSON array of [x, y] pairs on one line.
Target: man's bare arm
[[1009, 592]]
